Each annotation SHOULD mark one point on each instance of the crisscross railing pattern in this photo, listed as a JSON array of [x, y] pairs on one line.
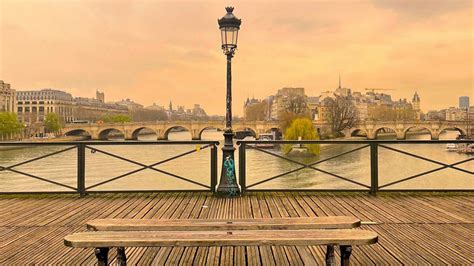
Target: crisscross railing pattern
[[443, 166], [150, 166], [94, 148], [374, 164], [43, 179], [373, 145]]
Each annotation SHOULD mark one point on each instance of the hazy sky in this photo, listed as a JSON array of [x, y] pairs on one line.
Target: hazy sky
[[157, 51]]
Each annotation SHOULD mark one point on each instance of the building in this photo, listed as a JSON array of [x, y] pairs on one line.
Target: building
[[198, 111], [155, 107], [344, 92], [249, 103], [416, 105], [90, 109], [464, 102], [7, 98], [313, 103], [288, 99], [33, 106], [131, 105], [434, 115], [100, 96], [456, 114]]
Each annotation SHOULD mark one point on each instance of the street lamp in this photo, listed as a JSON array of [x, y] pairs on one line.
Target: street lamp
[[229, 26]]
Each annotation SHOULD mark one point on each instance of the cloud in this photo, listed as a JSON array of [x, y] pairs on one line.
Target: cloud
[[422, 9]]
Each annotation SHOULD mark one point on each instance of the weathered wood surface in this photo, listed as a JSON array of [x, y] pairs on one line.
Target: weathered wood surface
[[413, 229], [221, 238], [294, 223]]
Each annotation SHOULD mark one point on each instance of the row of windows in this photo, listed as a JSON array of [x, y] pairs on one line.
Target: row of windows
[[34, 109], [35, 102]]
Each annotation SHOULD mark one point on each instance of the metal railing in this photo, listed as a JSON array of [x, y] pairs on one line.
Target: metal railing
[[81, 148], [372, 145]]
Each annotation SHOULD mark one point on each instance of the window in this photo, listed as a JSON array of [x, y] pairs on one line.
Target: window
[[20, 109]]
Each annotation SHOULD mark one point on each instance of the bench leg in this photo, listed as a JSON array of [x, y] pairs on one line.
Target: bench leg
[[102, 256], [330, 255], [345, 255], [121, 257]]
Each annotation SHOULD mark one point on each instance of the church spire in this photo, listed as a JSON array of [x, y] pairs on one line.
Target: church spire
[[339, 81]]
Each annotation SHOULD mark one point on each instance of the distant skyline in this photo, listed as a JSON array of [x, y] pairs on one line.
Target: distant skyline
[[157, 51]]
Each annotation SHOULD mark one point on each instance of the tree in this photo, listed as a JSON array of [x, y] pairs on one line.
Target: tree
[[341, 113], [302, 127], [297, 104], [51, 123], [387, 113], [116, 118], [286, 118], [9, 125], [149, 115]]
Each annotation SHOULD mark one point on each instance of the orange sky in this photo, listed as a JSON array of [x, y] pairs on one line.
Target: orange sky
[[157, 51]]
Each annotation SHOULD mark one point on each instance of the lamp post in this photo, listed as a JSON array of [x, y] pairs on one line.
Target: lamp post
[[229, 26]]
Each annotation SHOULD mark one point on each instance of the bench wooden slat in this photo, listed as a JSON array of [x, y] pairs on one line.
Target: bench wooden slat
[[294, 223], [220, 238]]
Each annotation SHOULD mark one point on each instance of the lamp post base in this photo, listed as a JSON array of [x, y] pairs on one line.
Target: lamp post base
[[228, 183]]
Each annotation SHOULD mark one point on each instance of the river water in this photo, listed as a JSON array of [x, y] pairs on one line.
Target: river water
[[355, 166]]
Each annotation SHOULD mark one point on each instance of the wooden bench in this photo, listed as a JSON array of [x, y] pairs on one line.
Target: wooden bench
[[294, 223], [103, 240], [122, 233]]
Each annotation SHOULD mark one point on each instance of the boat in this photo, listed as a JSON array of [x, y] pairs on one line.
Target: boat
[[467, 149], [266, 137], [458, 147], [452, 147]]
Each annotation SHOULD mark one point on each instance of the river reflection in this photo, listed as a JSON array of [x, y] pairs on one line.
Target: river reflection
[[354, 166]]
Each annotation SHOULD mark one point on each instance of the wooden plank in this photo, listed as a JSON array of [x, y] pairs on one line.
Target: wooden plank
[[442, 222], [294, 223], [220, 238]]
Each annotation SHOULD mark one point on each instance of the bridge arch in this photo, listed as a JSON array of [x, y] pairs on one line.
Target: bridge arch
[[445, 128], [354, 132], [253, 131], [199, 136], [406, 130], [78, 132], [137, 131], [377, 130], [170, 128], [104, 134]]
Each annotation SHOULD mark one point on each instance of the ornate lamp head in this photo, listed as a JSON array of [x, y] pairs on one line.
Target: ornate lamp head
[[229, 26]]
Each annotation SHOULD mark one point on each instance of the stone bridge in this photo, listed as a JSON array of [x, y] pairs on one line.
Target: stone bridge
[[370, 129], [131, 130], [400, 128]]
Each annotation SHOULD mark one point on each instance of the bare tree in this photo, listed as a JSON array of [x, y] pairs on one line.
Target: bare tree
[[341, 113]]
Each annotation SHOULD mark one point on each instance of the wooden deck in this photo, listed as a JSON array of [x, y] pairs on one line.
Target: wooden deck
[[413, 228]]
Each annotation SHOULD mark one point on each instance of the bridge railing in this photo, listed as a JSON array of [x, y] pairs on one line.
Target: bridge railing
[[84, 185], [369, 179], [327, 172]]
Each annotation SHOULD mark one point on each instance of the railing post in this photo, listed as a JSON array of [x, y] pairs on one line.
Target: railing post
[[242, 168], [81, 169], [213, 168], [374, 168]]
